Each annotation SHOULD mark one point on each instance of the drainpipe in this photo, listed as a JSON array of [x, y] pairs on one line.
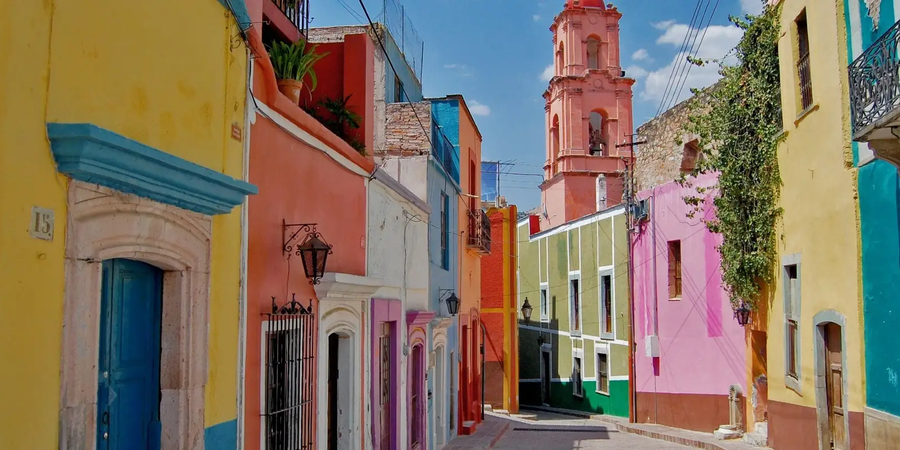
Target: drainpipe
[[249, 113]]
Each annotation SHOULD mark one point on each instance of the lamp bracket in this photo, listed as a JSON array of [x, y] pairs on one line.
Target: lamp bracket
[[442, 293], [290, 232]]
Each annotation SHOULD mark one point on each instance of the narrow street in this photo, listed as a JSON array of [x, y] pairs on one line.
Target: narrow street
[[554, 432]]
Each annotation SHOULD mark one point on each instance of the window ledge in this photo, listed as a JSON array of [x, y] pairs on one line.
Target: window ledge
[[806, 112], [602, 393], [607, 336], [793, 384], [675, 299], [576, 333]]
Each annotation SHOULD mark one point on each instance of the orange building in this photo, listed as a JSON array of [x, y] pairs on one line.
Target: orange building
[[499, 312], [305, 359]]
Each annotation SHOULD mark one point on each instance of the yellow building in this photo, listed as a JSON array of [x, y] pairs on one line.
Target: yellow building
[[121, 159], [813, 341]]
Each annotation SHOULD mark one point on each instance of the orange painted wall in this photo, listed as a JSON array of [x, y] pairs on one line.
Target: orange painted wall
[[470, 263], [298, 184], [499, 311]]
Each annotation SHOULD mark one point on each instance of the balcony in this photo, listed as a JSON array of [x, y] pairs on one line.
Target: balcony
[[875, 92], [479, 237], [289, 17]]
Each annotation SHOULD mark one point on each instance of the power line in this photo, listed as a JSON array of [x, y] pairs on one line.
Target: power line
[[681, 50]]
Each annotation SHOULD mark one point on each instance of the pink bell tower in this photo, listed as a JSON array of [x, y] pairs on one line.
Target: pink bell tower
[[588, 112]]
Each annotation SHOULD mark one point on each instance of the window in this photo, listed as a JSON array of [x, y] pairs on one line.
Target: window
[[803, 67], [575, 306], [690, 157], [606, 306], [288, 364], [791, 272], [577, 388], [674, 269], [593, 53], [445, 231], [561, 60], [602, 373], [398, 91], [545, 302]]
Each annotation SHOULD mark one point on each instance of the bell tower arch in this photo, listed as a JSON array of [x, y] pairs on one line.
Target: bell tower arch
[[588, 107]]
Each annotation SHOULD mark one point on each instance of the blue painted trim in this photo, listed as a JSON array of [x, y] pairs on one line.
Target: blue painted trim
[[221, 436], [239, 9], [92, 154]]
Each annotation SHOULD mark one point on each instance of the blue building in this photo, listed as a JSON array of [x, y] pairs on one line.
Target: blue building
[[873, 33]]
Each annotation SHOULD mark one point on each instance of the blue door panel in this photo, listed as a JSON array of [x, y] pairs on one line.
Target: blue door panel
[[128, 391]]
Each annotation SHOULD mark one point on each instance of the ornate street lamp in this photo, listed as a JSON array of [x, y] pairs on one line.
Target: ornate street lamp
[[527, 310], [313, 251], [742, 314], [452, 302]]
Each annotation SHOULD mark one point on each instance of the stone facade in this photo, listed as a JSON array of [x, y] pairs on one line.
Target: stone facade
[[669, 148], [403, 129]]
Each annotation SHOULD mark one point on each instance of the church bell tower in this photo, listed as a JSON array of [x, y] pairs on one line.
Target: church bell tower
[[588, 113]]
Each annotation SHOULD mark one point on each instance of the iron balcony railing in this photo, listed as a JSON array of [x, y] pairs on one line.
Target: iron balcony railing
[[805, 81], [479, 238], [445, 152], [297, 11], [875, 81]]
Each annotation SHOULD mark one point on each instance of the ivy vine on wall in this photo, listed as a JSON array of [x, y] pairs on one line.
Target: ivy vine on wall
[[738, 122]]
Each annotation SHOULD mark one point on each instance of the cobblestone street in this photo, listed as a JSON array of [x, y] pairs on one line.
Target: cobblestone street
[[554, 432]]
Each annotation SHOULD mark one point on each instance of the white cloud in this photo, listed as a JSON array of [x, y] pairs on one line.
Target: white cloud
[[536, 17], [663, 25], [477, 109], [636, 72], [754, 7], [454, 66], [717, 43], [548, 72], [641, 55]]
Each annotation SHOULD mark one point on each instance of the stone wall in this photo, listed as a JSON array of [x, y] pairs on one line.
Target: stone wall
[[404, 133], [661, 159]]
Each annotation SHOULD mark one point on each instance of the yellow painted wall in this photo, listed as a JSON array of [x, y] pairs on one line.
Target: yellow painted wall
[[166, 73], [819, 200]]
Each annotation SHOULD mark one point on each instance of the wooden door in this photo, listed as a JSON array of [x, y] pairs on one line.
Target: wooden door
[[545, 377], [387, 376], [130, 326], [834, 385]]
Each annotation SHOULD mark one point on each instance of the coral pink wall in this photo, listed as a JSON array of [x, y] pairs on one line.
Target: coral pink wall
[[702, 348]]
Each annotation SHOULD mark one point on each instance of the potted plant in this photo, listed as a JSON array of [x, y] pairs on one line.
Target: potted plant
[[293, 63]]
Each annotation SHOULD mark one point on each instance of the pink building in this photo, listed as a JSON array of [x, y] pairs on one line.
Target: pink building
[[588, 114], [690, 350]]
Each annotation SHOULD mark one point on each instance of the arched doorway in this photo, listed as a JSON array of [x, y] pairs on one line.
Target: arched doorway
[[439, 404], [554, 145], [593, 53], [417, 398], [130, 345], [831, 385], [340, 392]]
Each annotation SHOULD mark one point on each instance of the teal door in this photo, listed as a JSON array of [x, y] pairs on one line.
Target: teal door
[[130, 324]]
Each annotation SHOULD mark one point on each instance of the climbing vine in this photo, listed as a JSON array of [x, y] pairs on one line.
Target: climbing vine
[[738, 122]]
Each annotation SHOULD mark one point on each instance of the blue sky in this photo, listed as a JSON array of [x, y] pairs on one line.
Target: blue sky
[[495, 53]]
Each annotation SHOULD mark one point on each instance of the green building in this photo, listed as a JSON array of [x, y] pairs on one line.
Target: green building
[[573, 353]]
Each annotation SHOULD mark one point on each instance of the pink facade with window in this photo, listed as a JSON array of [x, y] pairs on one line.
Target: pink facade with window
[[690, 349]]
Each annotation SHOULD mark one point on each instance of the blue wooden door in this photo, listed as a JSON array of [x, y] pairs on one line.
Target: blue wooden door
[[130, 325]]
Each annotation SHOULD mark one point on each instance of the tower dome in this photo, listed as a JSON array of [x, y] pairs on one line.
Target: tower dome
[[571, 4]]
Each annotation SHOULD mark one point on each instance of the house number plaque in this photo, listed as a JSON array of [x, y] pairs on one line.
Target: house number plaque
[[41, 223]]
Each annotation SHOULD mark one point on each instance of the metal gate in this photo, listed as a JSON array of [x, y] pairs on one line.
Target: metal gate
[[290, 378]]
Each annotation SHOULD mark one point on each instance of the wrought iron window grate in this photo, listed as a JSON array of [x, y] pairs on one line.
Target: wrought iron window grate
[[290, 379]]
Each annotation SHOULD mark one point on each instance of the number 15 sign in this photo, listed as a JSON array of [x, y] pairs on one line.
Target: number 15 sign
[[41, 223]]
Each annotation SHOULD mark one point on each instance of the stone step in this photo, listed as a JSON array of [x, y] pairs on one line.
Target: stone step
[[761, 428], [488, 408], [756, 439], [724, 433], [500, 411], [526, 416]]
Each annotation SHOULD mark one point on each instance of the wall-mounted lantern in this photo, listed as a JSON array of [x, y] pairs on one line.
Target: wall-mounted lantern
[[313, 251], [451, 300], [742, 314], [527, 310]]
